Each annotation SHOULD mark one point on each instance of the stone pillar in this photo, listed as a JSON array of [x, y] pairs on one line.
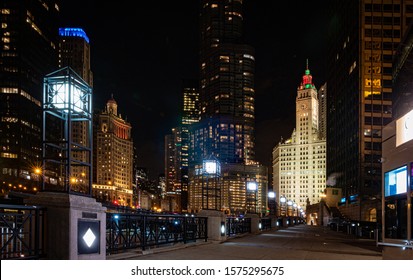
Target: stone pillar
[[70, 221], [274, 221], [215, 220], [286, 222], [255, 220]]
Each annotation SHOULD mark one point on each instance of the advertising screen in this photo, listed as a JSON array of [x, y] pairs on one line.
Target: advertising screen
[[395, 181]]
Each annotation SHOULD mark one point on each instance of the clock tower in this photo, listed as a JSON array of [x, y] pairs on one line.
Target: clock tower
[[306, 109], [299, 168]]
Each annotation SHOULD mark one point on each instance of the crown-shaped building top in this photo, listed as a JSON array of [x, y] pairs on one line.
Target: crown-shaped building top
[[307, 81], [112, 106]]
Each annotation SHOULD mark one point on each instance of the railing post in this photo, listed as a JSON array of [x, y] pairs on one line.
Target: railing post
[[206, 228], [36, 232], [143, 232], [185, 228]]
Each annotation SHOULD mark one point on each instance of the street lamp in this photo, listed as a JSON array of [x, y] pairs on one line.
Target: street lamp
[[211, 193], [252, 188], [39, 178], [282, 206], [289, 207], [271, 202], [67, 103]]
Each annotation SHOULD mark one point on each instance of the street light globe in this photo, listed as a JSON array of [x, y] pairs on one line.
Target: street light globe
[[271, 195], [283, 199]]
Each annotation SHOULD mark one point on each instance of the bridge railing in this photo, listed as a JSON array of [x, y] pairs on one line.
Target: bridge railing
[[265, 224], [129, 230], [22, 231], [237, 226]]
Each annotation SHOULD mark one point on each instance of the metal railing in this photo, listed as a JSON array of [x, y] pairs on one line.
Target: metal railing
[[22, 231], [238, 226], [127, 230], [265, 223]]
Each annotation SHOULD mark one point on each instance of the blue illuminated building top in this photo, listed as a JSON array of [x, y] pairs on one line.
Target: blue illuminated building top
[[73, 32]]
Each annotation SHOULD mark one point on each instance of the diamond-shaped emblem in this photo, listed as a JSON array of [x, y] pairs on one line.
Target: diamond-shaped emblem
[[89, 238]]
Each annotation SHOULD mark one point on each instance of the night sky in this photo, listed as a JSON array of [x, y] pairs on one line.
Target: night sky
[[142, 51]]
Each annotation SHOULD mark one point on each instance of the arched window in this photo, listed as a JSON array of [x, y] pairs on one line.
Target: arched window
[[373, 215]]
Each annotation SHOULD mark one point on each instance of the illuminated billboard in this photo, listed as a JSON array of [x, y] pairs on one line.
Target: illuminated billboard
[[404, 129], [395, 181]]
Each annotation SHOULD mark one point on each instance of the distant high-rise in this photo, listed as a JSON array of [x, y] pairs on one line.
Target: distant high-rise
[[363, 37], [190, 117], [173, 144], [29, 52], [299, 163], [74, 51], [113, 156], [322, 111], [226, 128]]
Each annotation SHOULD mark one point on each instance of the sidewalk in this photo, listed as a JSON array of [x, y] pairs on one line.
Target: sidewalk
[[301, 242]]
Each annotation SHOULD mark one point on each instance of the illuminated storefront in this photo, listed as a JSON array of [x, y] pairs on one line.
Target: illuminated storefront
[[397, 188]]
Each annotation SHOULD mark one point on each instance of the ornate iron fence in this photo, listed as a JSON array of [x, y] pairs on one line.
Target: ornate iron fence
[[127, 230], [22, 231], [238, 226], [265, 223]]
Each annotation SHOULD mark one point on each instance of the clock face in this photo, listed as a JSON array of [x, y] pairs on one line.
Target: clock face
[[303, 106]]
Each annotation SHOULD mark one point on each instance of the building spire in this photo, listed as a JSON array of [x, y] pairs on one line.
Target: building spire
[[112, 106], [307, 80]]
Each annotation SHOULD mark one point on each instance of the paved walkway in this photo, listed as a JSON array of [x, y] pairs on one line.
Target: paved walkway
[[301, 242]]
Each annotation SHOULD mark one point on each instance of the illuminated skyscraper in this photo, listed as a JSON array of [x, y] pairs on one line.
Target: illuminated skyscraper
[[173, 144], [113, 156], [74, 51], [322, 111], [29, 52], [299, 163], [190, 117], [227, 96], [363, 38]]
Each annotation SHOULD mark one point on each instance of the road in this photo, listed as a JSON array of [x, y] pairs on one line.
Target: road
[[301, 242]]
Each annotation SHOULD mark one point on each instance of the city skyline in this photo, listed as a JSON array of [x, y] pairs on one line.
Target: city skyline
[[136, 58]]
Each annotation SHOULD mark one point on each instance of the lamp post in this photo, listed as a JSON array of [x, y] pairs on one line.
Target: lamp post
[[289, 208], [271, 202], [283, 200], [252, 188], [39, 178], [67, 103], [211, 189]]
